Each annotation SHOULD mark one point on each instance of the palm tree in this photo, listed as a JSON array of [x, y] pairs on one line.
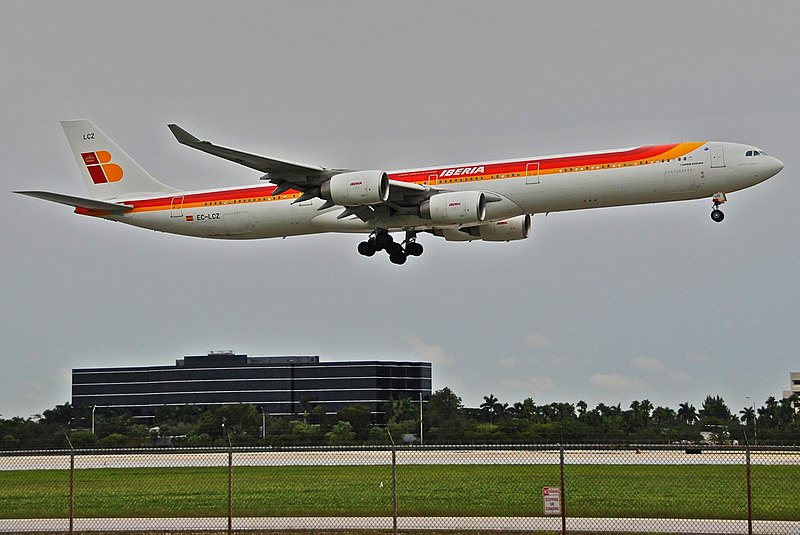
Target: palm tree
[[645, 408], [663, 416], [748, 416], [687, 413], [582, 406], [526, 409], [768, 413], [489, 406], [564, 411]]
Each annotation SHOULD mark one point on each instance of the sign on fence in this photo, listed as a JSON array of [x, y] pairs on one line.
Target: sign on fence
[[552, 500]]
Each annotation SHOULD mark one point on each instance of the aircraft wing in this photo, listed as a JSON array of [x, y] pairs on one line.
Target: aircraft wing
[[79, 202], [305, 178], [278, 171]]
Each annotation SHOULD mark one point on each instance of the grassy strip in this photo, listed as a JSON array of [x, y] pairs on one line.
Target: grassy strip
[[655, 491]]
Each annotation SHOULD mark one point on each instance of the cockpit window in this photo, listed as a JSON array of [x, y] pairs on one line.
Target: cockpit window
[[755, 153], [748, 153]]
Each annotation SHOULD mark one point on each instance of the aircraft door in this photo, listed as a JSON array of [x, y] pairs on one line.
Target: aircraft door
[[176, 207], [532, 173], [717, 156]]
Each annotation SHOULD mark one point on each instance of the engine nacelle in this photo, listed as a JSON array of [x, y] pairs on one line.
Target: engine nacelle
[[357, 188], [515, 228], [457, 207]]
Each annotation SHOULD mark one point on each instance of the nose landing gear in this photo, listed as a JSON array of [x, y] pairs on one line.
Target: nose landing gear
[[398, 252], [716, 214]]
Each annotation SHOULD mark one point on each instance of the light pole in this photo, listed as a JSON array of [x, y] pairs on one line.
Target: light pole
[[94, 407]]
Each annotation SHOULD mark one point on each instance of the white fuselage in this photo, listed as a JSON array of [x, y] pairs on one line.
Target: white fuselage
[[543, 184]]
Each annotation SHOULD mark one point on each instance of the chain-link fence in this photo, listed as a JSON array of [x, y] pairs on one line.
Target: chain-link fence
[[380, 490]]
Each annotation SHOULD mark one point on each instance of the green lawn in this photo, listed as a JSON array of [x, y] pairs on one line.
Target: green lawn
[[661, 491]]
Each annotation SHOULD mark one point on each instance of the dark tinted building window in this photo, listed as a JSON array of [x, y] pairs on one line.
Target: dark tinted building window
[[278, 384]]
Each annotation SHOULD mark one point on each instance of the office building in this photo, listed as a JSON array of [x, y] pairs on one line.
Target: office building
[[277, 385], [794, 385]]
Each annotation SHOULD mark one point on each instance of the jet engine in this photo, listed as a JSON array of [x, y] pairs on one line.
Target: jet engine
[[357, 188], [515, 228], [463, 207], [512, 229]]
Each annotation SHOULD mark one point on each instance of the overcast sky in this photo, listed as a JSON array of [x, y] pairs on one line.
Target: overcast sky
[[607, 305]]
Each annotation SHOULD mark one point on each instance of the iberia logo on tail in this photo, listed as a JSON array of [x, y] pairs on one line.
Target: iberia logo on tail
[[101, 168]]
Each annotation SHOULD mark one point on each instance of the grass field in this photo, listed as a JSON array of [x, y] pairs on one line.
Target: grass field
[[656, 491]]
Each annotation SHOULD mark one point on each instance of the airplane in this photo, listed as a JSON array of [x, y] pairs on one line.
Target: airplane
[[490, 201]]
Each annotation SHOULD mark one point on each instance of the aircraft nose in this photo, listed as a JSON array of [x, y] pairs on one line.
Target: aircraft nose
[[775, 166]]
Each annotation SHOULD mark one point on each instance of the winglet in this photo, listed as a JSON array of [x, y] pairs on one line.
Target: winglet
[[182, 135]]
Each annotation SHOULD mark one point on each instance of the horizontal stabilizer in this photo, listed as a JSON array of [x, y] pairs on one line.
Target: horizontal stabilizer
[[79, 202]]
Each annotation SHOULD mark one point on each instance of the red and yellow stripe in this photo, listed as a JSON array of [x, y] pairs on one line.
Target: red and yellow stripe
[[645, 155]]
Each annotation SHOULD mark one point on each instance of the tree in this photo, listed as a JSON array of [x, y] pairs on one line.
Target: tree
[[444, 416], [639, 415], [359, 417], [768, 413], [491, 405], [563, 411], [663, 416], [82, 439], [526, 410], [714, 408], [748, 416], [306, 406], [241, 419], [582, 406], [687, 413], [400, 410], [60, 414], [303, 432], [443, 406], [341, 434]]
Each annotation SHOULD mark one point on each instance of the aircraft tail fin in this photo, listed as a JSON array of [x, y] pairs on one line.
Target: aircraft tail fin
[[108, 171]]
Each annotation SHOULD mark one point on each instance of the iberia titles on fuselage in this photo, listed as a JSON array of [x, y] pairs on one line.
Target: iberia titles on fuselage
[[490, 201]]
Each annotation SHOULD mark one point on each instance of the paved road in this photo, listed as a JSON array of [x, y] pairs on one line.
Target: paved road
[[649, 525], [363, 458]]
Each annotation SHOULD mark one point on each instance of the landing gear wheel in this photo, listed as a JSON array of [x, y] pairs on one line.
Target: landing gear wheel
[[383, 240], [717, 215], [414, 249], [367, 248], [394, 249], [398, 259]]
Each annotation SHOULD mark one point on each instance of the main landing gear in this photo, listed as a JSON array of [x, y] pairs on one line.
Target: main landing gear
[[381, 240], [716, 214]]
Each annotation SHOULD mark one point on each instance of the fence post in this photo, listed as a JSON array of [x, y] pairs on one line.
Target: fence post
[[230, 486], [71, 487], [563, 496], [394, 490], [394, 484], [749, 488]]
